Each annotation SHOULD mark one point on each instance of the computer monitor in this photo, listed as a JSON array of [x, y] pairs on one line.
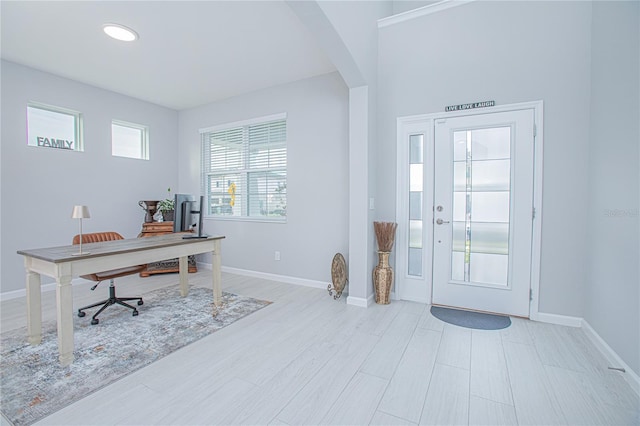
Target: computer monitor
[[188, 214]]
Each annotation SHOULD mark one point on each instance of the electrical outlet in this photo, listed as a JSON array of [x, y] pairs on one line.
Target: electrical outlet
[[277, 255]]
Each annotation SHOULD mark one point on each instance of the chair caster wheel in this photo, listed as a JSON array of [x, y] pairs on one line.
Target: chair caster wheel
[[140, 302], [81, 314], [135, 313], [95, 321]]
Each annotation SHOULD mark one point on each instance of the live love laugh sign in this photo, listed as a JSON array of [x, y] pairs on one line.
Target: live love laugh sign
[[473, 105]]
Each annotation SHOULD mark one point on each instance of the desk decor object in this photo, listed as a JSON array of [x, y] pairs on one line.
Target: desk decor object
[[168, 209], [152, 229], [383, 273], [108, 351], [149, 208], [338, 276], [80, 212]]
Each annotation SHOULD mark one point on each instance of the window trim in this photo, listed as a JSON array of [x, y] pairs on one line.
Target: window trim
[[203, 174], [249, 122], [79, 119], [145, 138]]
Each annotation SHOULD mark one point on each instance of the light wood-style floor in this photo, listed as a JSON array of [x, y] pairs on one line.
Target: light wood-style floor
[[307, 359]]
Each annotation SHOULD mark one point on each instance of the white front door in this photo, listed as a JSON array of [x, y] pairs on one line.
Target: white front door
[[483, 211]]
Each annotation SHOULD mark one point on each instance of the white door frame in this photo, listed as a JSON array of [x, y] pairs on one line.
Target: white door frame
[[411, 126], [404, 125]]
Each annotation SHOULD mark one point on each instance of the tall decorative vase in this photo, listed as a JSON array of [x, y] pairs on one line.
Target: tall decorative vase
[[149, 208], [383, 278]]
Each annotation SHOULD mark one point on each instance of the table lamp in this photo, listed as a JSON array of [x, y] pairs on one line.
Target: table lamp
[[80, 212]]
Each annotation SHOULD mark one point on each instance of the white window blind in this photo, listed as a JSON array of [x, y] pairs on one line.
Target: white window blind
[[244, 169]]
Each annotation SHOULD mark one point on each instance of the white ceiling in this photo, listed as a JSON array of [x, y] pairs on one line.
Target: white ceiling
[[188, 53]]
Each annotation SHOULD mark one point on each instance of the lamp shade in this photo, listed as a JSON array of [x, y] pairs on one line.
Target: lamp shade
[[80, 212]]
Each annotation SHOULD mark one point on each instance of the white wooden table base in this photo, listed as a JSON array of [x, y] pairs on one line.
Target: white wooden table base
[[59, 263]]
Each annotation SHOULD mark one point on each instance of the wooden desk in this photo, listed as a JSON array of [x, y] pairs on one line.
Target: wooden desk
[[59, 263]]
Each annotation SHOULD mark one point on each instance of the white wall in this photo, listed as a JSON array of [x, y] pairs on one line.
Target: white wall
[[40, 186], [612, 287], [508, 52], [317, 178], [356, 24]]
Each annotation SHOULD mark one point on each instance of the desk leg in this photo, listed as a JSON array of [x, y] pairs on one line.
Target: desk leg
[[64, 303], [183, 263], [34, 305], [217, 274]]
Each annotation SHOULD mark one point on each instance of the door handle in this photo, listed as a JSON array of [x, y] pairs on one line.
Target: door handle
[[440, 221]]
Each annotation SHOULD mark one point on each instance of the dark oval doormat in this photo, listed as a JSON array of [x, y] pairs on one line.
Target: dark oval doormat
[[470, 319]]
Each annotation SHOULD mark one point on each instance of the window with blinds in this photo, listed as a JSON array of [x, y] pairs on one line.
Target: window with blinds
[[244, 169]]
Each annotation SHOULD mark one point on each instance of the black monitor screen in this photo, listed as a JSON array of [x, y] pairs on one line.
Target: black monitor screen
[[188, 214], [185, 207]]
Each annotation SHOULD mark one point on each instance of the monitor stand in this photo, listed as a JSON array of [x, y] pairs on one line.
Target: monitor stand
[[199, 235], [192, 236]]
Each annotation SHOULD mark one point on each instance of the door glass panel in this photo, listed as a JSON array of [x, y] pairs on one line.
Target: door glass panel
[[490, 206], [415, 261], [415, 149], [415, 234], [460, 146], [459, 240], [489, 238], [415, 205], [457, 266], [416, 188], [415, 177], [481, 205], [491, 144], [460, 176], [490, 175], [489, 268]]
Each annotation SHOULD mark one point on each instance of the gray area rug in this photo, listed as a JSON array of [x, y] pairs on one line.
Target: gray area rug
[[33, 384], [470, 319]]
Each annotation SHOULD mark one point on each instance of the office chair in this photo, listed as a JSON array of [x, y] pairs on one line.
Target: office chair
[[108, 275]]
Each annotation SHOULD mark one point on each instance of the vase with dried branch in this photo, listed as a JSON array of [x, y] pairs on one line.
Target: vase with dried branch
[[383, 273]]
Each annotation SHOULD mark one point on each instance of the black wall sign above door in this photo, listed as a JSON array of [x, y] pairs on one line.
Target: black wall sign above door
[[472, 105]]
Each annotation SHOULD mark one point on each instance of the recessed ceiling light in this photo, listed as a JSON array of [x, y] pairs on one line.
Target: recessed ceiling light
[[120, 32]]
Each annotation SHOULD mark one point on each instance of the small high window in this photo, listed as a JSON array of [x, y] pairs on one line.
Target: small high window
[[129, 140], [54, 127]]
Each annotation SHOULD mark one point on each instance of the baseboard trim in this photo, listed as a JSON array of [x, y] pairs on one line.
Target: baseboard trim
[[16, 294], [629, 375], [202, 265], [255, 274], [558, 319], [272, 277], [361, 302], [612, 357]]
